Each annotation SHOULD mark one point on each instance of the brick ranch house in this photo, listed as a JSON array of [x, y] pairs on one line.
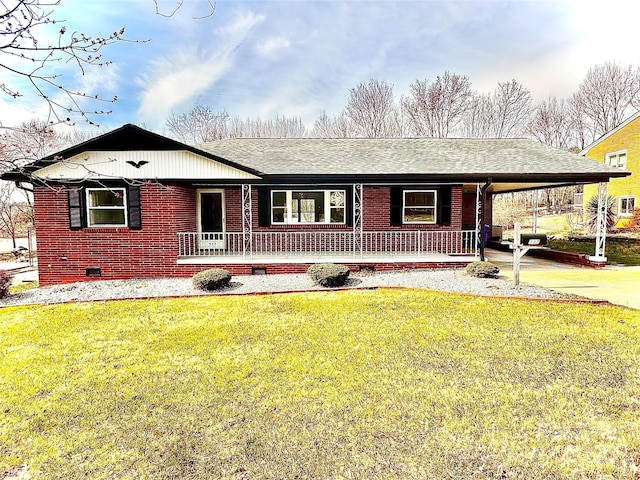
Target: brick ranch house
[[134, 204]]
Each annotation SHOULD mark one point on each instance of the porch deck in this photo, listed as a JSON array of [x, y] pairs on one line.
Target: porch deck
[[394, 247]]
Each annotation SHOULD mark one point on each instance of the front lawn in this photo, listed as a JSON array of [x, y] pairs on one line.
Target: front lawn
[[353, 384]]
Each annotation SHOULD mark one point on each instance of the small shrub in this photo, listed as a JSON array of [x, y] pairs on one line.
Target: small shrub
[[329, 274], [5, 283], [212, 279], [482, 270], [633, 225]]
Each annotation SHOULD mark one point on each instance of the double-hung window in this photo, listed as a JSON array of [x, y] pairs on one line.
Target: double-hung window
[[617, 159], [106, 207], [626, 206], [419, 206], [308, 206]]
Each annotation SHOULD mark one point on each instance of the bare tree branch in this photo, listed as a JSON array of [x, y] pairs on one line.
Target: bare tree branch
[[179, 6], [25, 56]]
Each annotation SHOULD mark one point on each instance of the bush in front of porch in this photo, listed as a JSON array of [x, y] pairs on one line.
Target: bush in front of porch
[[329, 274], [482, 270], [211, 279]]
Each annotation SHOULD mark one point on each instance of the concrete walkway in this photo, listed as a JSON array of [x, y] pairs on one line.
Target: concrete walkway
[[21, 271], [619, 285]]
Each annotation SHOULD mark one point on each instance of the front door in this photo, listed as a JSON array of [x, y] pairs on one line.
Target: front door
[[211, 222]]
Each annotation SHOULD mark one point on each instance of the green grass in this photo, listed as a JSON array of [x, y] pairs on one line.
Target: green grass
[[358, 384], [616, 252], [23, 287]]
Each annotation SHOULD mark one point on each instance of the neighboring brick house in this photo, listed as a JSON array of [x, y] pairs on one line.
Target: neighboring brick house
[[134, 204], [619, 148]]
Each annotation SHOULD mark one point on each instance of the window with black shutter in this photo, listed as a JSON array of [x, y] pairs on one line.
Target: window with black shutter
[[104, 207]]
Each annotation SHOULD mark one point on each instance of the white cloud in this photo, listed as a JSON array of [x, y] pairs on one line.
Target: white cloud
[[273, 45], [190, 71]]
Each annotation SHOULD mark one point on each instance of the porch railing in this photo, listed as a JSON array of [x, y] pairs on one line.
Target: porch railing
[[291, 244]]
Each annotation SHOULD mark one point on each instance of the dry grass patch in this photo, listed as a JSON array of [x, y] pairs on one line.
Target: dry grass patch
[[359, 384]]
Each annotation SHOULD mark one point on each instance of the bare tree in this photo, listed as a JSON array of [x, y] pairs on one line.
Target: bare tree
[[512, 103], [609, 93], [435, 109], [16, 211], [278, 127], [552, 123], [477, 121], [372, 110], [201, 124], [25, 55], [28, 142], [337, 126], [501, 114]]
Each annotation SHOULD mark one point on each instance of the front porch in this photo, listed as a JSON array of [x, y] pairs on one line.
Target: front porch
[[269, 247]]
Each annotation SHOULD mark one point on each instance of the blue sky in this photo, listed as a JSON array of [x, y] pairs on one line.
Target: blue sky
[[299, 58]]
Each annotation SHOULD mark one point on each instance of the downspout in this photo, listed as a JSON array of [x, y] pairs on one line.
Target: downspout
[[483, 200]]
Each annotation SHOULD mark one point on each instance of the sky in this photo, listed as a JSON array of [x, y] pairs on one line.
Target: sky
[[260, 59]]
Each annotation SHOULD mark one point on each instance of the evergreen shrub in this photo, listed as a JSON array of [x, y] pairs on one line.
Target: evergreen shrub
[[212, 279], [482, 270], [329, 274]]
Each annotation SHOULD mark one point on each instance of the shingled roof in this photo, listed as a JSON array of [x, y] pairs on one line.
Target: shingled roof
[[509, 163], [405, 156]]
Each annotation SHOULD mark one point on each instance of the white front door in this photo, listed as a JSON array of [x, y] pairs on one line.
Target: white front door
[[211, 220]]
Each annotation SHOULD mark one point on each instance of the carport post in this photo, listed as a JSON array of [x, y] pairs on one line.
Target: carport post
[[534, 219], [483, 202], [601, 227]]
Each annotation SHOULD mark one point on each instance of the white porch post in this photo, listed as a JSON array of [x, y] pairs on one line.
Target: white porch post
[[601, 227], [534, 220], [478, 218], [247, 221], [357, 219]]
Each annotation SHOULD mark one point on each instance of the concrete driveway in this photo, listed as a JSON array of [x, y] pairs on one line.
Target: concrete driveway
[[619, 285]]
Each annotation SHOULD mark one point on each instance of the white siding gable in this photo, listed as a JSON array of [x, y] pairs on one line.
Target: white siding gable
[[160, 165]]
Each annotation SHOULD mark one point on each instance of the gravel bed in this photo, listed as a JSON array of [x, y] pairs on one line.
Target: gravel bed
[[443, 280]]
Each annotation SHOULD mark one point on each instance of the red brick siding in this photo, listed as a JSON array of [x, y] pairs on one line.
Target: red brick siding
[[233, 207], [64, 254]]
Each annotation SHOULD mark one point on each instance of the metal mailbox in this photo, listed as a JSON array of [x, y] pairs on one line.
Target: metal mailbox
[[533, 239]]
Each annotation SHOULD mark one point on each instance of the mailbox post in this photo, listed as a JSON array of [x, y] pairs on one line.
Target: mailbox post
[[522, 243]]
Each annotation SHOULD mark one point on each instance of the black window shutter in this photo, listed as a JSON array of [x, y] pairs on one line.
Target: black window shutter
[[348, 204], [264, 207], [77, 219], [133, 207], [444, 206], [396, 205]]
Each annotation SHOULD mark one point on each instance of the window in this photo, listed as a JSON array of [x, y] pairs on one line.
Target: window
[[419, 206], [106, 207], [617, 159], [308, 206], [626, 206]]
